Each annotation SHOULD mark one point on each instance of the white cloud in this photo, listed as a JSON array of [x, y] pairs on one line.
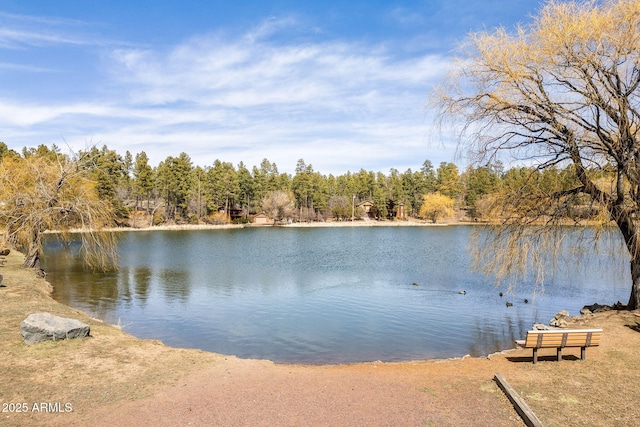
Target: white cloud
[[336, 104]]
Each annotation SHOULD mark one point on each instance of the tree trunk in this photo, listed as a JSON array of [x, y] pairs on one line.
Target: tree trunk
[[630, 235], [634, 299], [32, 260]]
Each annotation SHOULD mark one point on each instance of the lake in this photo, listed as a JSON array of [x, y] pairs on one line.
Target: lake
[[321, 295]]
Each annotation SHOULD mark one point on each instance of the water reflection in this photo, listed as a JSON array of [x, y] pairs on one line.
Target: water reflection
[[319, 295], [142, 282], [175, 284]]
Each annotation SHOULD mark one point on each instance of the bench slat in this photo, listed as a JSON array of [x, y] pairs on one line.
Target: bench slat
[[563, 343]]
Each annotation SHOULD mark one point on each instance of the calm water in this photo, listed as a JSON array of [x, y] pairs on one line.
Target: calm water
[[320, 295]]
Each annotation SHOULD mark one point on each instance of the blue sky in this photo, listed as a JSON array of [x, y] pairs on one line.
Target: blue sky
[[343, 85]]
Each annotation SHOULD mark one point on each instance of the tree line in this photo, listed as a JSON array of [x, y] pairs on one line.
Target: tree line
[[177, 191]]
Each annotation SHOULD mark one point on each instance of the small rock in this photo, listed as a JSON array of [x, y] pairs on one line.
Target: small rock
[[560, 320], [5, 252], [540, 327], [558, 323], [45, 326]]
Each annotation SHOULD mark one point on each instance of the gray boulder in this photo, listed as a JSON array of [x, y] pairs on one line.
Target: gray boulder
[[45, 326]]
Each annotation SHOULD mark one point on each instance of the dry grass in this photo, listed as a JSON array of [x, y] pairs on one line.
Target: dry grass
[[113, 378], [597, 392]]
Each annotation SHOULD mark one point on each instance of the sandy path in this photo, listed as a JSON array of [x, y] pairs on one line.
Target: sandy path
[[259, 393]]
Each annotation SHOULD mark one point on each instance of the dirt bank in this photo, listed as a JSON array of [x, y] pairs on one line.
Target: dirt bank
[[113, 378]]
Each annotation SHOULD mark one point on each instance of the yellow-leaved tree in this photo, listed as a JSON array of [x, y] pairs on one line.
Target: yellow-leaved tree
[[436, 206], [52, 192]]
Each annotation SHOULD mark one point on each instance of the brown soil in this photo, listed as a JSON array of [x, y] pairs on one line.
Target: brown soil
[[113, 378]]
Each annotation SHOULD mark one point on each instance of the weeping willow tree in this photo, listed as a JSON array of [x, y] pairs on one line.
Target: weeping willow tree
[[436, 206], [561, 92], [52, 192]]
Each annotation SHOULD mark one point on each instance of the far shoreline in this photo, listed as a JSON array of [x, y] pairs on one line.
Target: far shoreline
[[328, 224]]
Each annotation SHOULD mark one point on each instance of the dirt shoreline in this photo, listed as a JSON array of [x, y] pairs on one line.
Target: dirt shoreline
[[114, 378], [371, 223]]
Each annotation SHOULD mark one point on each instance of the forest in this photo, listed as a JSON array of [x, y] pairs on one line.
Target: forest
[[178, 192]]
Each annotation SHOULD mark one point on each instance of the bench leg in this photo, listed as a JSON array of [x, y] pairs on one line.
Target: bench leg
[[535, 355], [559, 354], [583, 353]]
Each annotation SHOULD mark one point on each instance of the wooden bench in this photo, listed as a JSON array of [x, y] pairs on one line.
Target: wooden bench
[[561, 338]]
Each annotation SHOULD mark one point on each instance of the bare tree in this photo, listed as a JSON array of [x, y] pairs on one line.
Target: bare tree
[[54, 193], [340, 207], [563, 91], [278, 205]]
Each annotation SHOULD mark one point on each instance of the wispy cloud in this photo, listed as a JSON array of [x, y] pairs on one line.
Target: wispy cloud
[[288, 94], [26, 31], [24, 67], [337, 104], [19, 31]]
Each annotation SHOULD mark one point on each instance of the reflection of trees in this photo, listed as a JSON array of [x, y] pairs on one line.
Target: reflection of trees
[[94, 292], [99, 293], [497, 337], [124, 286], [176, 284], [142, 282]]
